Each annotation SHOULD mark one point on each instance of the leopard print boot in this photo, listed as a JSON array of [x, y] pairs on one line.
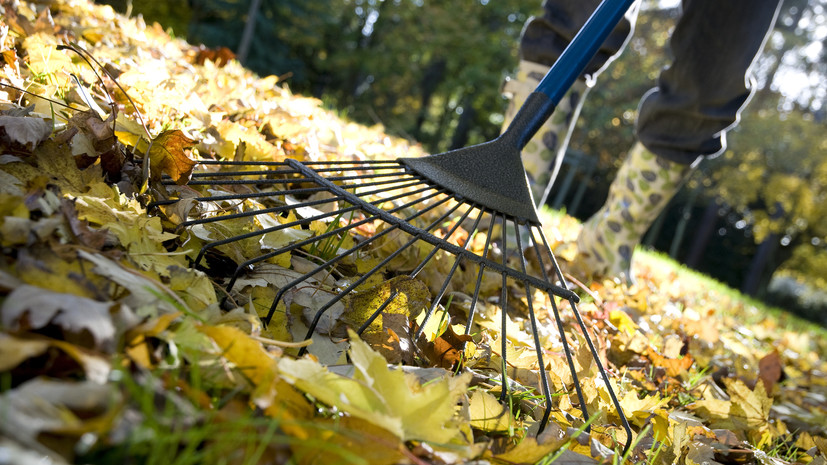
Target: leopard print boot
[[539, 153], [644, 185]]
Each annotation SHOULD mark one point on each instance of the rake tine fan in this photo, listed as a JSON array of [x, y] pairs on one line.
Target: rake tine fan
[[351, 224]]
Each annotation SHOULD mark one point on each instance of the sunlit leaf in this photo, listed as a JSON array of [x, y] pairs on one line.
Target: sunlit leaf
[[166, 156]]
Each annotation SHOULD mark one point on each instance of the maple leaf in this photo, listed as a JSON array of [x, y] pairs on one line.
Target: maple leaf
[[166, 156], [745, 410], [383, 396]]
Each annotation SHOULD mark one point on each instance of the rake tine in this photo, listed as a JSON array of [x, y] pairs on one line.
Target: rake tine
[[376, 313], [241, 267], [358, 282], [537, 346], [504, 311], [251, 195], [451, 273], [283, 208], [239, 182], [261, 232], [561, 330], [227, 174], [475, 297], [264, 231], [350, 288], [264, 211], [625, 422]]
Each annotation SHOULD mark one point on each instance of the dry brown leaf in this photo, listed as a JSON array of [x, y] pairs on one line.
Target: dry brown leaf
[[770, 370], [166, 156]]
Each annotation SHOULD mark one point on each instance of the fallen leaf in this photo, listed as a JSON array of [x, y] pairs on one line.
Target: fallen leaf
[[447, 349], [345, 440], [27, 131], [673, 366], [166, 156], [533, 448], [488, 414], [261, 369], [30, 307], [411, 296], [746, 409], [17, 350], [383, 396], [60, 410], [770, 370]]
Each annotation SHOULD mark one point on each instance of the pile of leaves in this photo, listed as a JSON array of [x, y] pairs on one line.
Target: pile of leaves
[[113, 348]]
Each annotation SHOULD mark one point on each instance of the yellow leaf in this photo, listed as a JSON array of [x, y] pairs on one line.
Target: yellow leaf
[[47, 62], [256, 147], [383, 396], [488, 414], [623, 321], [747, 409], [412, 296], [14, 351], [270, 393], [166, 156], [638, 410], [345, 440], [533, 448]]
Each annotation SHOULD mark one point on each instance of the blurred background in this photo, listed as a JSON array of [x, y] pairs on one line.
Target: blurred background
[[431, 71]]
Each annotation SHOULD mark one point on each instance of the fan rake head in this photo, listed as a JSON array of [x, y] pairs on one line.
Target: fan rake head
[[341, 227]]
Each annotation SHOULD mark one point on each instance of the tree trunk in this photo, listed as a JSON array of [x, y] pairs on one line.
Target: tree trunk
[[705, 230]]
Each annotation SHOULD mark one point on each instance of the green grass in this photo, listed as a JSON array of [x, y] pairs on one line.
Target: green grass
[[748, 310]]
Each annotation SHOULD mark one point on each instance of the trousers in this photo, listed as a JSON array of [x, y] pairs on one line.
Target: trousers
[[700, 95]]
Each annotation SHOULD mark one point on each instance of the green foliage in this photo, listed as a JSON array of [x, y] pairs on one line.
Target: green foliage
[[426, 70], [172, 14], [776, 178]]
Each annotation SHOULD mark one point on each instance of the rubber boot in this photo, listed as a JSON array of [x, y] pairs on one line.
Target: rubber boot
[[644, 185], [538, 155]]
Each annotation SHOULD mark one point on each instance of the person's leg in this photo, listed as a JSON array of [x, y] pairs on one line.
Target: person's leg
[[542, 41], [699, 97], [682, 120]]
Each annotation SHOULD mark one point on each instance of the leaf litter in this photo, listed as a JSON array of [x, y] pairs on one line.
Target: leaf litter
[[111, 344]]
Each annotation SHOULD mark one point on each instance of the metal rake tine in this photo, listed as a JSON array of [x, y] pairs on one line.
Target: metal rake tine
[[288, 207], [264, 211], [504, 311], [561, 330], [377, 312], [451, 273], [264, 231], [626, 426], [242, 266], [475, 297], [537, 346], [330, 262], [353, 285], [241, 182], [244, 196]]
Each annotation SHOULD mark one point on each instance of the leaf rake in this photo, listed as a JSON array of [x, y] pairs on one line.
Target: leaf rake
[[411, 208]]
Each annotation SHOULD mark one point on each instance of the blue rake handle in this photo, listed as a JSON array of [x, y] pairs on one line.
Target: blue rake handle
[[573, 61]]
